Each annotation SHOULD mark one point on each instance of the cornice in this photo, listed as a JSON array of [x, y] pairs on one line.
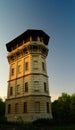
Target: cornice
[[47, 96], [28, 75], [27, 49]]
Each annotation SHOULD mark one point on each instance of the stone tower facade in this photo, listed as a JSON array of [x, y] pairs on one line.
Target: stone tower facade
[[28, 89]]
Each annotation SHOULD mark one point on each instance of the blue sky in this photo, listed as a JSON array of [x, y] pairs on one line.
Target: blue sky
[[57, 19]]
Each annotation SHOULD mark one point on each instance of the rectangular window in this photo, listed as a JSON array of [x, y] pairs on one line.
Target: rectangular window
[[37, 107], [19, 68], [45, 87], [12, 71], [16, 108], [11, 91], [47, 105], [36, 85], [35, 64], [25, 107], [9, 108], [18, 89], [43, 66], [26, 66], [26, 87]]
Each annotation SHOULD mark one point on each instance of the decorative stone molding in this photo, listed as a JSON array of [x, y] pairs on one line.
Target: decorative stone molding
[[27, 49]]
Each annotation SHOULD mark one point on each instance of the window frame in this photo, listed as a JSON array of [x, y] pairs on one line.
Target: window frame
[[43, 66], [25, 107], [19, 69], [37, 107], [17, 89], [47, 107], [36, 85], [35, 64], [11, 91], [12, 71], [16, 107], [26, 87], [26, 66], [9, 108], [45, 87]]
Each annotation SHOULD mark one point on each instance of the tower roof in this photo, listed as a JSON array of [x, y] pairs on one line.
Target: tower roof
[[27, 34]]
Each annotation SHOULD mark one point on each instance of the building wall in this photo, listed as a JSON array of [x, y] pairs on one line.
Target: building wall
[[31, 113], [28, 82]]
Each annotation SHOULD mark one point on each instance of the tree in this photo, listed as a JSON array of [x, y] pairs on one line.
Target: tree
[[61, 108], [2, 110], [64, 102], [72, 108]]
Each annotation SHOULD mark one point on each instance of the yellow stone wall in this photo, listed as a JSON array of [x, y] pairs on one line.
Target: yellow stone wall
[[35, 76], [31, 114]]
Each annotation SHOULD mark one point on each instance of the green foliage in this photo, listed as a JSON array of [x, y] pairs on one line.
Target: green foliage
[[63, 108], [72, 107], [43, 122], [2, 110]]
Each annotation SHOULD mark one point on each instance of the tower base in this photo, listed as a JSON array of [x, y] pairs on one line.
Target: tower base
[[28, 108]]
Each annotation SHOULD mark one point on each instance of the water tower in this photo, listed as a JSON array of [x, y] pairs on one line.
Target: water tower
[[28, 96]]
